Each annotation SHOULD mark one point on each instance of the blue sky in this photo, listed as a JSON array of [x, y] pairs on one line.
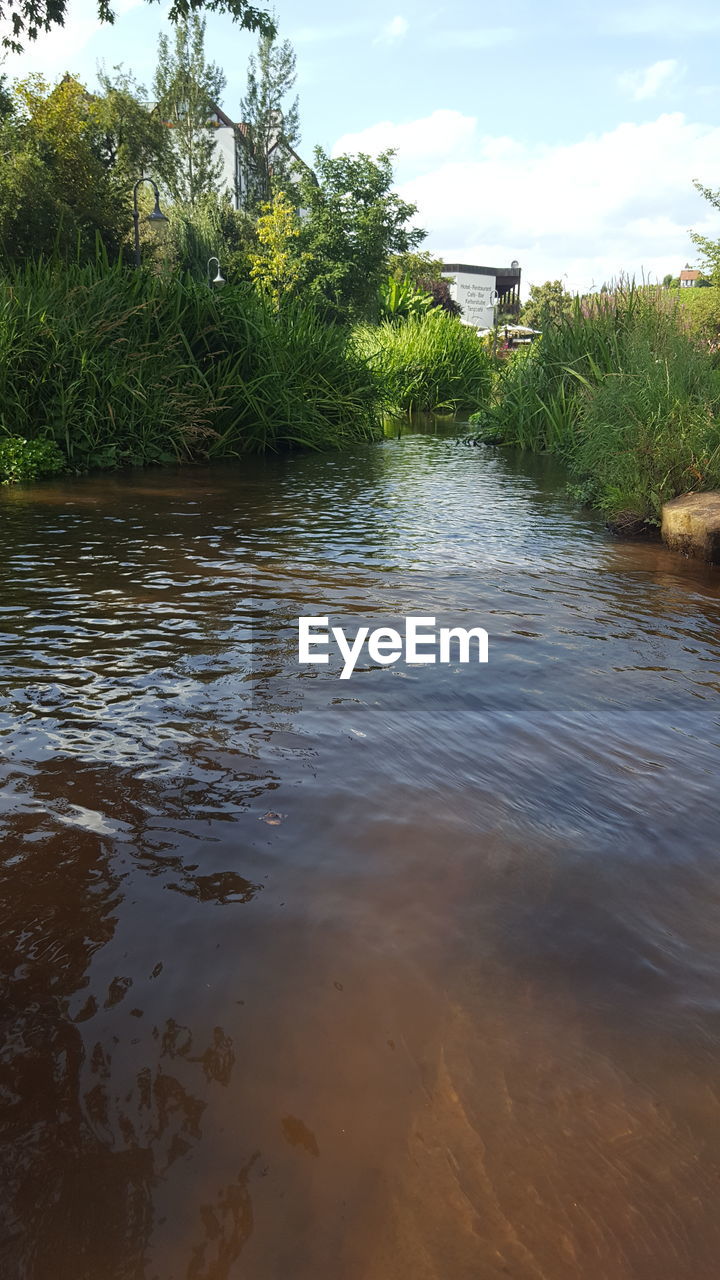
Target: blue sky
[[564, 135]]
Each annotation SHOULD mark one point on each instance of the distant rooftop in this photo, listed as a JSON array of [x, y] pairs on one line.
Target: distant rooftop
[[467, 269]]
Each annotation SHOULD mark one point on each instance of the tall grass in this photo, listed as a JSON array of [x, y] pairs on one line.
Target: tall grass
[[121, 367], [430, 363], [625, 393]]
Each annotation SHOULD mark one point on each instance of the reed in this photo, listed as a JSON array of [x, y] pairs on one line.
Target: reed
[[427, 363], [625, 393], [125, 368]]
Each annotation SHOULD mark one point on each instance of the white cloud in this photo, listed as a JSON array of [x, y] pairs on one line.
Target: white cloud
[[327, 33], [435, 137], [477, 38], [588, 210], [677, 20], [395, 29], [648, 82]]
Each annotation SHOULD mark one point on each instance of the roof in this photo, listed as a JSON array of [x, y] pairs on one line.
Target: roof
[[481, 271], [689, 275]]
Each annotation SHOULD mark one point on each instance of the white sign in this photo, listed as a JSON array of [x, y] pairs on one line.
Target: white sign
[[476, 295]]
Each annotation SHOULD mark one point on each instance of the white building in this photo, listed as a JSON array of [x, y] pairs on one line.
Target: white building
[[229, 138]]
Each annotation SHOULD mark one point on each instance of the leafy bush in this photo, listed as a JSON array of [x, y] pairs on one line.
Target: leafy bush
[[22, 459], [400, 299], [431, 363]]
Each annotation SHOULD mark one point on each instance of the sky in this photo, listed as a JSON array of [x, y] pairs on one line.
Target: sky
[[564, 135]]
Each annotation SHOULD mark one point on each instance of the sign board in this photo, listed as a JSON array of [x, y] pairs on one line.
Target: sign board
[[476, 295]]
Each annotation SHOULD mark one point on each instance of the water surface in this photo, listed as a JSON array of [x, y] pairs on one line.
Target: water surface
[[411, 975]]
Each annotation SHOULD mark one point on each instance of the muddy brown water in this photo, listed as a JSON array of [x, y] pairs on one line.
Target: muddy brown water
[[411, 975]]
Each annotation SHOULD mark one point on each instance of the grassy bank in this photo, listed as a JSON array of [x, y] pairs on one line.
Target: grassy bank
[[120, 368], [430, 363], [625, 392]]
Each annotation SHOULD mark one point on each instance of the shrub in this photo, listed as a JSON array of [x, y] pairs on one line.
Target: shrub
[[431, 363], [22, 459]]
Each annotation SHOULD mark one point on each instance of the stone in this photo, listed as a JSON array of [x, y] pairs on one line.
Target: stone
[[691, 524]]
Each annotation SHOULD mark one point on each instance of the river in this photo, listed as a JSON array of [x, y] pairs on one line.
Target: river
[[414, 974]]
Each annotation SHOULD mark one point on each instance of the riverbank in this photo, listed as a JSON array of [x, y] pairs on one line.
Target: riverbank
[[626, 392], [108, 368]]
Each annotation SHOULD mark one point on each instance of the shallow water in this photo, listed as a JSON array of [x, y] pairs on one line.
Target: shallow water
[[414, 974]]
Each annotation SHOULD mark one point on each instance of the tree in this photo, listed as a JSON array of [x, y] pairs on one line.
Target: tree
[[185, 86], [418, 266], [134, 140], [426, 273], [278, 266], [547, 303], [27, 18], [271, 129], [57, 190], [352, 221], [709, 249]]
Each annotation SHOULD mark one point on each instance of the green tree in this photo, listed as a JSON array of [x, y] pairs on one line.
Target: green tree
[[27, 18], [271, 129], [547, 302], [185, 86], [278, 266], [418, 266], [352, 222], [57, 189], [709, 249], [134, 140]]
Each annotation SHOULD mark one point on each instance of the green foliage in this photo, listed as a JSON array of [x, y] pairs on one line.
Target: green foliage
[[400, 298], [430, 363], [22, 459], [709, 249], [133, 140], [272, 129], [124, 368], [276, 266], [419, 267], [624, 392], [70, 159], [352, 221], [547, 302], [57, 190], [25, 19], [212, 227], [701, 311], [185, 86]]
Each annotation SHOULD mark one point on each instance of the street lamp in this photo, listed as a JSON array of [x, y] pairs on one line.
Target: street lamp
[[219, 279], [156, 216]]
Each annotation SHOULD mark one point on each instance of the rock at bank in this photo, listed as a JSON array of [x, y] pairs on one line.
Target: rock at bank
[[691, 524]]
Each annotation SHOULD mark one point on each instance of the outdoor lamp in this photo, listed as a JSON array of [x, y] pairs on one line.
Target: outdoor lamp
[[218, 279], [157, 214]]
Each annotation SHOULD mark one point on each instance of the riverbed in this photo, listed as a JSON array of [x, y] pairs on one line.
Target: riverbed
[[414, 974]]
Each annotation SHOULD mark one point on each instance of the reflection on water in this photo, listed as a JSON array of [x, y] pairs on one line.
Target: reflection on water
[[414, 974]]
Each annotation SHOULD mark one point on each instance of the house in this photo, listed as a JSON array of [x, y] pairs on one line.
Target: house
[[230, 138], [688, 278], [479, 290]]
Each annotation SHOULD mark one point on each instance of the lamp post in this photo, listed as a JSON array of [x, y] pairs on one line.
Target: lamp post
[[156, 216], [218, 279]]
